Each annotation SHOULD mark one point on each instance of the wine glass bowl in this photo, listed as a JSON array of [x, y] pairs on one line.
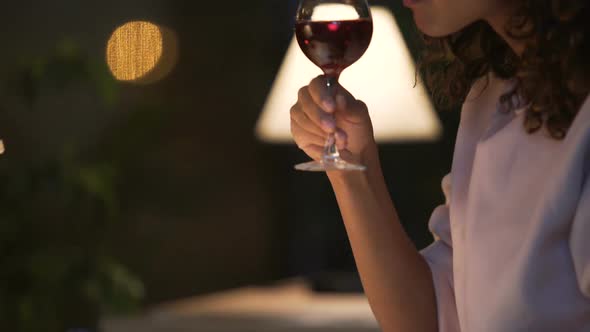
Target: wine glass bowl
[[334, 45], [333, 34]]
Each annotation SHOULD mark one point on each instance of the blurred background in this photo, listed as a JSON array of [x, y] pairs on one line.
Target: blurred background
[[117, 196]]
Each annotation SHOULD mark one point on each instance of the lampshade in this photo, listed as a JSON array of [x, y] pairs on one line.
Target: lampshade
[[384, 78]]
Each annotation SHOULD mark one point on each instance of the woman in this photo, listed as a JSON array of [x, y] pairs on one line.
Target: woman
[[512, 242]]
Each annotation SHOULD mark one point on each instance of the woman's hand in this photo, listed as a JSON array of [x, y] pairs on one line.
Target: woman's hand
[[319, 111]]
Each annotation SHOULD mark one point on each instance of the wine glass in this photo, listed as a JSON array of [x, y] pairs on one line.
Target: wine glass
[[333, 34]]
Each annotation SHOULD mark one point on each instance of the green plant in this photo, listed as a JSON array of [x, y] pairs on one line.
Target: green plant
[[56, 271]]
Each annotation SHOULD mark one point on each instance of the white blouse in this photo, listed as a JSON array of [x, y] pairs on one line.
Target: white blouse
[[512, 242]]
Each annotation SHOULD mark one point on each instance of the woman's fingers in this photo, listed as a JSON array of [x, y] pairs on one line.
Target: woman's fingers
[[313, 144], [327, 97], [315, 152], [308, 142], [341, 139], [322, 95], [353, 111], [338, 99], [304, 138], [314, 112], [321, 110], [303, 120], [304, 130]]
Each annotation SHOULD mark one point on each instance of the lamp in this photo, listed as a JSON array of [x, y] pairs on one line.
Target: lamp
[[383, 78]]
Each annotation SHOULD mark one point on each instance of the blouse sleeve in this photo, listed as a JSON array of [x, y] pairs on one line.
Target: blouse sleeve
[[580, 230], [580, 241], [439, 256]]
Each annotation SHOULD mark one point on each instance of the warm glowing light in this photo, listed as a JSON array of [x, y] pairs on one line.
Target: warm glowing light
[[333, 12], [134, 49], [383, 78], [2, 147]]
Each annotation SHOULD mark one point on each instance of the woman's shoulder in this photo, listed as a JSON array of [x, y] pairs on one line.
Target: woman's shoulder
[[577, 139], [581, 123], [482, 101], [485, 88], [480, 108]]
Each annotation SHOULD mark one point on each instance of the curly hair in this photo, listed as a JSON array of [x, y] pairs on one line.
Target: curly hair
[[552, 74]]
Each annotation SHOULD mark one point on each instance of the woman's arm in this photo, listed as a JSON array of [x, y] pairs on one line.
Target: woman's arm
[[396, 278]]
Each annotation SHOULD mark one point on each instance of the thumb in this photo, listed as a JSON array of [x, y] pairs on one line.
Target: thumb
[[351, 109]]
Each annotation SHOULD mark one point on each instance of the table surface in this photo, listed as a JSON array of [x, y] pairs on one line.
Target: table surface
[[286, 307]]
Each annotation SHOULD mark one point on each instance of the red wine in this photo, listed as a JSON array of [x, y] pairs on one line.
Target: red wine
[[334, 45]]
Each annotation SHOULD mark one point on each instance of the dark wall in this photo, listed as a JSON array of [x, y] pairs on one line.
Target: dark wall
[[205, 206]]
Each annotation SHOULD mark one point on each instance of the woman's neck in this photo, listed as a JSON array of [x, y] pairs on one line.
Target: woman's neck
[[498, 20]]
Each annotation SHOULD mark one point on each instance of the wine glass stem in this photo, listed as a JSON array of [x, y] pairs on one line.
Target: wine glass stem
[[331, 152]]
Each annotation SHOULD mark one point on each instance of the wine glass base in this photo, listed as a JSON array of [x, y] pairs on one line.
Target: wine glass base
[[329, 165]]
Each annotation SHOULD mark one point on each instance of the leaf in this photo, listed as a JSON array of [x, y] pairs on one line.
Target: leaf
[[103, 81], [68, 48], [121, 291], [51, 267], [97, 181]]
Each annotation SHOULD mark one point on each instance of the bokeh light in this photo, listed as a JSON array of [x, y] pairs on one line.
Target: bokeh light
[[141, 52]]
